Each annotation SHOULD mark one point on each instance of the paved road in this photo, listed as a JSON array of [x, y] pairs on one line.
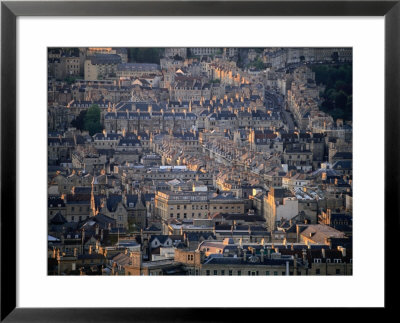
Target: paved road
[[288, 119]]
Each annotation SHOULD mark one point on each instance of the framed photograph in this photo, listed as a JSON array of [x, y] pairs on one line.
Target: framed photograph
[[228, 154]]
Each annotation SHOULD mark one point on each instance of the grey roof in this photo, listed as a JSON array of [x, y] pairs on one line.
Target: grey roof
[[138, 67], [105, 59]]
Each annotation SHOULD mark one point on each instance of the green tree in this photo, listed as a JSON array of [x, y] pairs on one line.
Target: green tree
[[341, 100], [92, 120], [79, 121], [145, 55], [337, 97]]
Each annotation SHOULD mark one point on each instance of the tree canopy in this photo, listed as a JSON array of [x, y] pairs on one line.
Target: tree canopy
[[89, 120], [338, 94], [92, 120], [145, 55]]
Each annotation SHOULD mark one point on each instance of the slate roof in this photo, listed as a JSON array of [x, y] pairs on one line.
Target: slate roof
[[112, 202], [105, 59]]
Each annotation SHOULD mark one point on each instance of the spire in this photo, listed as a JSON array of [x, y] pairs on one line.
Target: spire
[[92, 201], [139, 205]]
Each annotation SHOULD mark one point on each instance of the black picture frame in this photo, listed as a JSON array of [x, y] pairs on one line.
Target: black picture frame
[[10, 10]]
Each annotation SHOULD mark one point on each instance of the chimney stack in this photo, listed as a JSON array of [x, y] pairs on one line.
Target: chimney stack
[[244, 255], [323, 253], [202, 256], [304, 255], [262, 255]]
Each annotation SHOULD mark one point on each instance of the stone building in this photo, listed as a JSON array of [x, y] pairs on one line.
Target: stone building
[[101, 66]]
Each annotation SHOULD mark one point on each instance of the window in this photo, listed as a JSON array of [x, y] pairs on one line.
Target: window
[[337, 271], [207, 272], [275, 273], [230, 272], [317, 271], [267, 273], [215, 272], [317, 260], [222, 272]]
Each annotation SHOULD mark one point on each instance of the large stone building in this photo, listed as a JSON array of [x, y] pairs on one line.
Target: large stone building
[[101, 66], [279, 204]]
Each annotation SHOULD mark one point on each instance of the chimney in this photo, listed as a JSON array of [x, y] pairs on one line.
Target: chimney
[[75, 252], [90, 250], [244, 255], [304, 255], [269, 253], [343, 252], [323, 253], [262, 255], [297, 233], [202, 256], [97, 229]]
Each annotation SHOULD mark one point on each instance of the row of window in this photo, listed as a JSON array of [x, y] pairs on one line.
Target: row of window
[[318, 271], [178, 215], [80, 208], [328, 260], [196, 207], [224, 272], [78, 218]]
